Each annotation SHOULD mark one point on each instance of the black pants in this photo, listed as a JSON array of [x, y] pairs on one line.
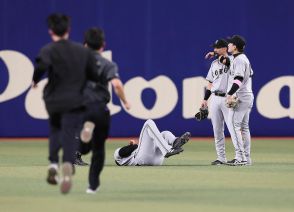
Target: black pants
[[100, 115], [63, 129]]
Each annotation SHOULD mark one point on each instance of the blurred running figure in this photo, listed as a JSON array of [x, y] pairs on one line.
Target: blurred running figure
[[151, 149], [69, 66], [96, 127]]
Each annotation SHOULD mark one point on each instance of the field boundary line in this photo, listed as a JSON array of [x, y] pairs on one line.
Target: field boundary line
[[122, 139]]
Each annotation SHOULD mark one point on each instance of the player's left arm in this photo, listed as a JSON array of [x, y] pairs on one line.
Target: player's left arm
[[239, 73], [239, 68], [126, 151]]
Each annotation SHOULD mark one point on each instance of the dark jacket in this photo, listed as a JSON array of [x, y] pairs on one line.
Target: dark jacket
[[69, 66], [97, 91]]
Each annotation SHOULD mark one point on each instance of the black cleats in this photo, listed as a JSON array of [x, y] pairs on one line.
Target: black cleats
[[180, 141], [79, 161], [217, 163], [235, 162], [174, 152]]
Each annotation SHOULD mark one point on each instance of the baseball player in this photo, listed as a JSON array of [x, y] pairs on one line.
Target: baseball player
[[217, 78], [151, 149], [240, 87]]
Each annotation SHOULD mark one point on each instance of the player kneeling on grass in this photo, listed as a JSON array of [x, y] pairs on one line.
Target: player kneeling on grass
[[151, 149]]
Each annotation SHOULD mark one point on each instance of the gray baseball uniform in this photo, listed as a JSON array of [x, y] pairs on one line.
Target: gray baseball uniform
[[238, 118], [153, 146], [218, 76]]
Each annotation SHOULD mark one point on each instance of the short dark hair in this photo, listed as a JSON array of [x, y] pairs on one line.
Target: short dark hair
[[58, 23], [238, 41], [94, 38]]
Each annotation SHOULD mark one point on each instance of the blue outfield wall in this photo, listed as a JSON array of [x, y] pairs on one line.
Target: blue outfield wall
[[159, 46]]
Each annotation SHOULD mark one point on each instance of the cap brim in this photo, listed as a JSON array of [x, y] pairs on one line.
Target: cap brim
[[218, 47]]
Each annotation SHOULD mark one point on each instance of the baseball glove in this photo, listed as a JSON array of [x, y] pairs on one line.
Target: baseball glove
[[233, 103], [202, 114]]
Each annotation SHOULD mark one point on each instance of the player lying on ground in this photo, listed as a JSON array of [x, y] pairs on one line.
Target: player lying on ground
[[151, 149]]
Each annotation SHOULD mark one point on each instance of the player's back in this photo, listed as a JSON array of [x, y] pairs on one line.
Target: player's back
[[68, 63], [106, 71]]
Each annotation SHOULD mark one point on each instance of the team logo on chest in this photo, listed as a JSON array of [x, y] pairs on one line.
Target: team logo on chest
[[220, 71]]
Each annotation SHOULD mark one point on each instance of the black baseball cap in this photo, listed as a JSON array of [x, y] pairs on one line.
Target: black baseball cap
[[220, 43], [238, 41]]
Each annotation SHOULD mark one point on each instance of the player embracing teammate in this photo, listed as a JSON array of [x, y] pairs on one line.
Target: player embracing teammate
[[217, 78], [238, 98], [240, 87]]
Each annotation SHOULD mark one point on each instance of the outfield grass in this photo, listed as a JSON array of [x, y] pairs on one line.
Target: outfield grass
[[185, 183]]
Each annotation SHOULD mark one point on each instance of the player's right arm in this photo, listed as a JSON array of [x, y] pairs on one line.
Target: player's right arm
[[42, 65], [210, 55], [113, 77], [206, 95], [119, 91]]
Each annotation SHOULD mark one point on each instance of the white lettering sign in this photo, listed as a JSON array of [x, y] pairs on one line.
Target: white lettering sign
[[166, 97], [193, 93], [268, 99], [20, 72]]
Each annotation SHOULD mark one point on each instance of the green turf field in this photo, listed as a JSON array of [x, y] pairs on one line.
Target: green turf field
[[186, 183]]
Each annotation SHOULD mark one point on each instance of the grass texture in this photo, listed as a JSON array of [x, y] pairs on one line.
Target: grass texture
[[186, 182]]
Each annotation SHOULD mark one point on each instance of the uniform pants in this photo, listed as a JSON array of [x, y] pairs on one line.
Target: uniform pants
[[153, 145], [219, 113], [238, 124]]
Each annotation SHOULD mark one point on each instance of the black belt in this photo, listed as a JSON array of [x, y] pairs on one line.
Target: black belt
[[220, 94]]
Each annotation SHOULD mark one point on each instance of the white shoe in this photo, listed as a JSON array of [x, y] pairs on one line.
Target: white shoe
[[87, 131], [90, 191]]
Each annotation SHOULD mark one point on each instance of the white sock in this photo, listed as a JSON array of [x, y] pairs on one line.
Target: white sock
[[53, 165]]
